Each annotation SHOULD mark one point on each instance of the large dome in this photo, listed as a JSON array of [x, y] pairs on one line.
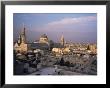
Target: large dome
[[44, 36]]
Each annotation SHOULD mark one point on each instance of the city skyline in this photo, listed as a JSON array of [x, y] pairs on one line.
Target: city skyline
[[76, 27]]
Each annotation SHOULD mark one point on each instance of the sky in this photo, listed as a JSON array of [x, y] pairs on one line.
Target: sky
[[75, 27]]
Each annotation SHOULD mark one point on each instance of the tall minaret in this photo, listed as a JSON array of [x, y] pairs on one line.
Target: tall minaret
[[23, 35], [62, 41], [19, 39]]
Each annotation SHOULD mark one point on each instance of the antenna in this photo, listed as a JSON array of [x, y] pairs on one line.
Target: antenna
[[23, 25]]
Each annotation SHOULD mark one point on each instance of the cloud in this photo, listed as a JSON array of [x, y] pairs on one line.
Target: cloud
[[69, 21], [64, 21]]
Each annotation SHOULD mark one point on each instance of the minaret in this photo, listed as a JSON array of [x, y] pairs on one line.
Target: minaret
[[62, 40], [23, 35], [19, 39]]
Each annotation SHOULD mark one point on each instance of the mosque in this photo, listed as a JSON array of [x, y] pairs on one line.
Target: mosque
[[60, 48], [21, 45], [42, 44]]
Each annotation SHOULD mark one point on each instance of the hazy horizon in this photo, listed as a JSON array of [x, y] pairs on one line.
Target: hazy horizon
[[75, 27]]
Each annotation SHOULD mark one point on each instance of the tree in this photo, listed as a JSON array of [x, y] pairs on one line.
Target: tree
[[51, 44], [88, 47], [67, 63], [62, 61], [39, 54]]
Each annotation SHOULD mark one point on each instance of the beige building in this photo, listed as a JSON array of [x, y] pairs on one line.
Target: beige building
[[92, 48], [61, 50], [20, 48]]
